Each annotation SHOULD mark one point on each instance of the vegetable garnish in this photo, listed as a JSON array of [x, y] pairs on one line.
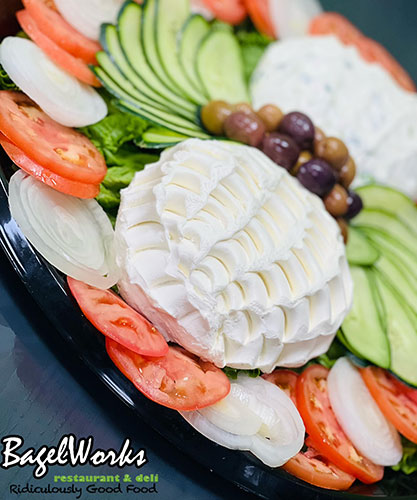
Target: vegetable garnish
[[309, 465], [67, 186], [59, 149], [359, 416], [396, 400], [178, 380], [117, 320], [61, 32], [73, 235], [255, 416], [325, 432], [59, 94], [73, 65]]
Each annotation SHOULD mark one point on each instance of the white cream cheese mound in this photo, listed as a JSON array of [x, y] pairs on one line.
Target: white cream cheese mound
[[348, 98], [230, 257]]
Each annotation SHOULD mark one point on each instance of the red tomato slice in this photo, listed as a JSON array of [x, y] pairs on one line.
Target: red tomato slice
[[60, 149], [285, 380], [260, 15], [179, 380], [118, 321], [73, 65], [314, 468], [396, 400], [324, 430], [229, 11], [374, 52], [54, 26], [331, 23], [73, 188]]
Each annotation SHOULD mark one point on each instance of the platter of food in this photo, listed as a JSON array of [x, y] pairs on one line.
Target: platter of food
[[188, 193]]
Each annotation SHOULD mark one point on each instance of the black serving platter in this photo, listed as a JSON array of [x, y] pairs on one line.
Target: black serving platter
[[49, 289]]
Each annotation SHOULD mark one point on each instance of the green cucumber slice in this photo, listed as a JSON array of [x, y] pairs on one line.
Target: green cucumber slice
[[194, 30], [390, 200], [402, 332], [110, 41], [363, 328], [160, 138], [220, 67], [388, 224], [170, 18], [359, 251], [157, 120], [130, 36], [117, 86]]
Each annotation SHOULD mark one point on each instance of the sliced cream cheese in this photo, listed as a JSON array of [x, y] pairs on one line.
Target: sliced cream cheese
[[348, 98], [230, 257]]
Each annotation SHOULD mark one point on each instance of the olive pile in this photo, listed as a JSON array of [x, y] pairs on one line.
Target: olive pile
[[322, 164]]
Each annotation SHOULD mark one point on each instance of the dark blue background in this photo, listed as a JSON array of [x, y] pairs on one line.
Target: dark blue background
[[45, 391]]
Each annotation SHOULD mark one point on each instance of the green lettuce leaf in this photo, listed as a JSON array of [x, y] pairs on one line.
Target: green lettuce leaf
[[5, 81], [233, 372], [408, 463], [253, 45]]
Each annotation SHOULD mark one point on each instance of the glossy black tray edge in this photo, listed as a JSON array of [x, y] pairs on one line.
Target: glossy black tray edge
[[49, 289]]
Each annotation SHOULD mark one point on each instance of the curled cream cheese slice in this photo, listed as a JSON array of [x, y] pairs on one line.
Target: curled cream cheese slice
[[230, 257]]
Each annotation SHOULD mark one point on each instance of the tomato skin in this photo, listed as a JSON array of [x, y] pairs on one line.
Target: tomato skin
[[331, 23], [323, 429], [229, 11], [66, 186], [313, 468], [60, 149], [260, 15], [397, 401], [286, 380], [117, 320], [179, 380], [73, 65], [54, 26]]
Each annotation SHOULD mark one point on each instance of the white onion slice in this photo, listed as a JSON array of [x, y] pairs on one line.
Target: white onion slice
[[292, 17], [59, 94], [360, 417], [281, 434], [87, 16], [73, 235]]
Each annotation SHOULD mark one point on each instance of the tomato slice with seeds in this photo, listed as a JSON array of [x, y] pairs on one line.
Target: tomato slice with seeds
[[66, 186], [54, 26], [324, 430], [313, 468], [397, 401], [62, 150], [286, 380], [260, 15], [178, 380], [117, 320], [73, 65], [310, 465], [229, 11]]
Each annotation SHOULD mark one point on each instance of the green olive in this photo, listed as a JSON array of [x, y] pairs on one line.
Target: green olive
[[336, 202], [271, 116], [214, 114], [332, 150], [348, 172]]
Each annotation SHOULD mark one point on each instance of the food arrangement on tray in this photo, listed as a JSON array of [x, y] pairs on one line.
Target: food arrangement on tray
[[242, 234]]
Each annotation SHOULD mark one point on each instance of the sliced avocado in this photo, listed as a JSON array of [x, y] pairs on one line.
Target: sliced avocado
[[390, 200], [359, 251], [363, 328]]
